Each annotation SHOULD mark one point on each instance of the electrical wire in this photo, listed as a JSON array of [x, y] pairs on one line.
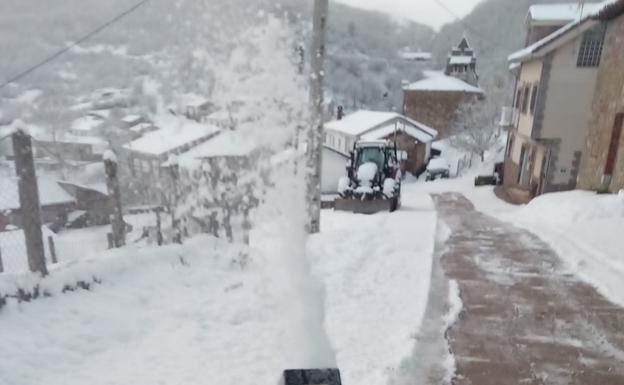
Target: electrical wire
[[74, 44]]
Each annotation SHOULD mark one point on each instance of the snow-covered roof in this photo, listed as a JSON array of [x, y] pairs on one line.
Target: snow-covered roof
[[193, 100], [408, 128], [364, 122], [441, 82], [50, 193], [227, 143], [580, 20], [438, 164], [416, 55], [100, 114], [173, 132], [129, 119], [86, 123], [460, 59], [361, 121], [562, 13]]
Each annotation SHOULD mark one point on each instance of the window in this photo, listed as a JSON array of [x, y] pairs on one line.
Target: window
[[591, 47], [533, 99], [518, 97], [525, 99], [146, 166]]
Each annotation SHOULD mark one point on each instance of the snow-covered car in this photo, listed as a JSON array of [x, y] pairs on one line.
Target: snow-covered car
[[437, 168]]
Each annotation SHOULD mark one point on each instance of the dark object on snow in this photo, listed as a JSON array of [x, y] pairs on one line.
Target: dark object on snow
[[486, 180], [499, 169], [312, 377]]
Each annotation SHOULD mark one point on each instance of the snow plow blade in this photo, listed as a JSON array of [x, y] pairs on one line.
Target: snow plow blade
[[365, 206], [312, 377]]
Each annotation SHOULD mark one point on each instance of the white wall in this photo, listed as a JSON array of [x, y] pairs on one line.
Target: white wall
[[334, 167]]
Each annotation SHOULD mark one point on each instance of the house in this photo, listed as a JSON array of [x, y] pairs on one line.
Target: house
[[54, 200], [434, 101], [228, 146], [462, 63], [173, 137], [413, 138], [70, 148], [602, 166], [415, 56], [93, 200], [195, 107], [334, 167], [556, 78], [545, 19], [87, 125]]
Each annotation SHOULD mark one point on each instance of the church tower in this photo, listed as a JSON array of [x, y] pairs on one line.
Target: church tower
[[462, 63]]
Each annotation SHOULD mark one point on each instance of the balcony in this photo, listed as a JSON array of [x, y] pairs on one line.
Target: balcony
[[509, 117]]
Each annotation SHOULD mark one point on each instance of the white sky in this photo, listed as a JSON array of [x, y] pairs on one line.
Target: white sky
[[424, 11]]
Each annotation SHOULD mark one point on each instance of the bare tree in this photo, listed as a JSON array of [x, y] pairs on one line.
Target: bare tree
[[476, 128]]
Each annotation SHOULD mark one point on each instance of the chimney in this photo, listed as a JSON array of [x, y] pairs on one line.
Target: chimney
[[340, 114]]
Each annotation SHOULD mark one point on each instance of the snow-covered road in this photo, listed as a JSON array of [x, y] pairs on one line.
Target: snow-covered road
[[203, 313]]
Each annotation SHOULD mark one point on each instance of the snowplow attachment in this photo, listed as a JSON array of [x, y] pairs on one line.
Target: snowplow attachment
[[365, 206], [312, 377]]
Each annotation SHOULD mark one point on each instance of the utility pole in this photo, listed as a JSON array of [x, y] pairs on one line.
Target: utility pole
[[315, 133], [30, 208], [114, 195]]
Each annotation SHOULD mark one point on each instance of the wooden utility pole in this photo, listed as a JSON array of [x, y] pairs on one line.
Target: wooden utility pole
[[315, 133], [30, 208], [114, 196]]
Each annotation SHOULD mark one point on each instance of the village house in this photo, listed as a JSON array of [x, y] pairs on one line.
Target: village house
[[556, 78], [54, 200], [435, 100], [413, 138], [174, 136], [602, 167]]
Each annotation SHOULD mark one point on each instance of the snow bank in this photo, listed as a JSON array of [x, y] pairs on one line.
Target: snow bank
[[585, 230], [376, 270]]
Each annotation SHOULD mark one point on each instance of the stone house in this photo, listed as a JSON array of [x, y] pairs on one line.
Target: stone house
[[413, 138], [555, 82], [602, 167], [435, 100]]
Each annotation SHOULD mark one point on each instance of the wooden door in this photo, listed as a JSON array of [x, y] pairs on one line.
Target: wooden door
[[614, 144]]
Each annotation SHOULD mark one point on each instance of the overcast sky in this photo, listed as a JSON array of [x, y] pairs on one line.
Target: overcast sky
[[424, 11]]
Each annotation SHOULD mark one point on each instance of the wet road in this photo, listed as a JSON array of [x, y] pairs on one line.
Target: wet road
[[524, 320]]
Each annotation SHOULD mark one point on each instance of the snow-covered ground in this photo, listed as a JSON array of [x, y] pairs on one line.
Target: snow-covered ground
[[376, 270]]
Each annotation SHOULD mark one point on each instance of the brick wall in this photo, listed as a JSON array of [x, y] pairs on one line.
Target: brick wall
[[608, 101], [436, 109]]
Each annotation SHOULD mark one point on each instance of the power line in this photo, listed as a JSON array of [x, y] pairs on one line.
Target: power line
[[463, 23], [74, 44]]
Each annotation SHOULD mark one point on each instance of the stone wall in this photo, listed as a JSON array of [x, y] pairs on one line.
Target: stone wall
[[436, 109], [608, 102]]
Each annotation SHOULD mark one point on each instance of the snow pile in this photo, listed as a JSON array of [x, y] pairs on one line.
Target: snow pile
[[366, 173], [161, 315], [585, 230], [377, 274], [438, 164], [455, 307]]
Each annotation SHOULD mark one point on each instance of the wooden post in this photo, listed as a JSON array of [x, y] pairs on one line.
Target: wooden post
[[52, 249], [315, 132], [1, 265], [111, 241], [30, 208], [114, 194], [159, 236]]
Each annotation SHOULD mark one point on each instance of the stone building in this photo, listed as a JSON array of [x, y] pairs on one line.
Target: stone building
[[435, 100], [602, 167], [462, 63]]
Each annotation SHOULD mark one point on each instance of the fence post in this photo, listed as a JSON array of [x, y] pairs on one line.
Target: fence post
[[1, 265], [52, 249], [114, 194], [30, 208]]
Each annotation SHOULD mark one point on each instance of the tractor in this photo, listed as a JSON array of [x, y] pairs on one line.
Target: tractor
[[373, 181]]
